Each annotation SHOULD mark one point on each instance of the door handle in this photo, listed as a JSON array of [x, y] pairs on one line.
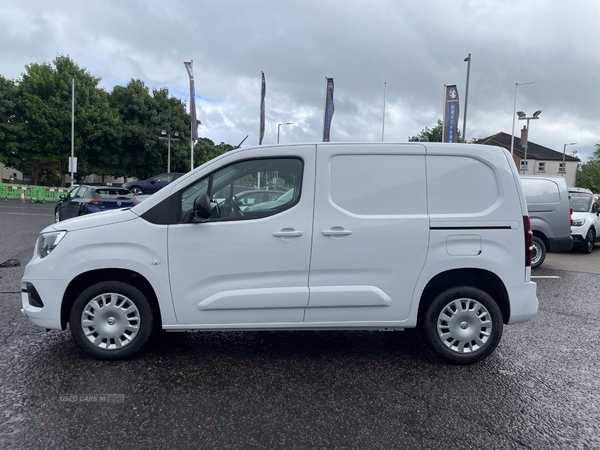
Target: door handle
[[288, 232], [336, 231]]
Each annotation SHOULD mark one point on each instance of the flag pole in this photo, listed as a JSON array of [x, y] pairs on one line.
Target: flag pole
[[444, 114], [191, 128]]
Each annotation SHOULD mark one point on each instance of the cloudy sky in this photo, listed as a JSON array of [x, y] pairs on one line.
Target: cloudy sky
[[416, 46]]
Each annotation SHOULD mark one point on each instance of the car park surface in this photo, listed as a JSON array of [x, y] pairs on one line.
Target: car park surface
[[360, 389]]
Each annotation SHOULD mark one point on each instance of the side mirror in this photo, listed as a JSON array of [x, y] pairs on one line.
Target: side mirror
[[202, 209], [152, 181], [62, 196]]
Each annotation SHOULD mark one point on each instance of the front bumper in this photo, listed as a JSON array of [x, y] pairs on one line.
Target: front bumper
[[50, 292]]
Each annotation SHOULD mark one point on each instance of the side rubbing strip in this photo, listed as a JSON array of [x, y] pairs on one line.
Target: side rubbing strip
[[472, 228]]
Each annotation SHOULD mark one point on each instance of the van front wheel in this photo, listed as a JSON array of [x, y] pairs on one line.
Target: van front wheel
[[539, 253], [111, 320], [463, 325]]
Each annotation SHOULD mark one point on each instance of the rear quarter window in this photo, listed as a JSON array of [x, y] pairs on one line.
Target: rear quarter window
[[540, 191], [460, 185]]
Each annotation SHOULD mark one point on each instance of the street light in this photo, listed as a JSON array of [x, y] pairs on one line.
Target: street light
[[279, 127], [512, 141], [523, 116], [564, 151], [164, 134], [468, 61]]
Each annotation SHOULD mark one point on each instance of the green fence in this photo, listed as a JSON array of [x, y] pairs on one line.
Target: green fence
[[29, 193]]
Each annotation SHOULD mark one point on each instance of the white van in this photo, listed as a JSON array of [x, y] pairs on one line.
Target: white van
[[372, 236]]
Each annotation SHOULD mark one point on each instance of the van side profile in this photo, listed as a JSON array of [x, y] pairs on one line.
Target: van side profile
[[369, 236], [550, 214]]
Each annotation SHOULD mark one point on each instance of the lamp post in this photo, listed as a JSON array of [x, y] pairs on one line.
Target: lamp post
[[468, 61], [523, 116], [72, 165], [512, 141], [383, 120], [563, 162], [279, 127], [164, 134]]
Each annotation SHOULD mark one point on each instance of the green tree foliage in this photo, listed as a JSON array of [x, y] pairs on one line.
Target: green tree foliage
[[9, 124], [43, 105], [432, 134], [205, 150], [588, 175], [116, 133]]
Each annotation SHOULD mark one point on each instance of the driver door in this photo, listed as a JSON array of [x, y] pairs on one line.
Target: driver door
[[245, 267]]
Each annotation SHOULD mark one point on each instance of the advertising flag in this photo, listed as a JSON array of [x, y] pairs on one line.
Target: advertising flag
[[263, 91], [451, 115], [194, 125], [329, 110]]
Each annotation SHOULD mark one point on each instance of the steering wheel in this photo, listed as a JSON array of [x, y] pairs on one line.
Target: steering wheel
[[233, 203]]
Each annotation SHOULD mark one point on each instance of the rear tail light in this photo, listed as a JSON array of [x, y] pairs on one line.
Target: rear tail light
[[136, 202], [571, 211], [96, 202], [528, 240]]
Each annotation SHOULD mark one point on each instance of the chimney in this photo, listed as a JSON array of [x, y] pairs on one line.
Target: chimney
[[524, 137]]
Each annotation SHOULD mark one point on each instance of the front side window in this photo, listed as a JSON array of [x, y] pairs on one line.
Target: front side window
[[260, 176]]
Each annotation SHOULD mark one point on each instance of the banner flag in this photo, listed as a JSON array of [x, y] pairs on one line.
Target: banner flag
[[194, 125], [451, 112], [263, 92], [329, 110]]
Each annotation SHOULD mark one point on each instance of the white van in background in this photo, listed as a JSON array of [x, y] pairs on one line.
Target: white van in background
[[376, 236], [550, 215]]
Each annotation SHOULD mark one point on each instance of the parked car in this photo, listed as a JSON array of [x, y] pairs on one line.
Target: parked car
[[151, 185], [550, 214], [280, 201], [580, 190], [92, 199], [256, 196], [586, 221], [356, 247]]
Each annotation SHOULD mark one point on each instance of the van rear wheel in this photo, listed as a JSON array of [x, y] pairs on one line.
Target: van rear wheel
[[463, 325], [111, 320], [539, 253]]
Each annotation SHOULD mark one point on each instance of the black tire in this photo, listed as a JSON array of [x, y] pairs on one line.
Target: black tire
[[539, 253], [57, 217], [119, 334], [588, 244], [478, 340]]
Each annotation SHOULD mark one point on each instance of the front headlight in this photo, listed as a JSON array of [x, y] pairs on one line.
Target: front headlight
[[578, 222], [48, 242]]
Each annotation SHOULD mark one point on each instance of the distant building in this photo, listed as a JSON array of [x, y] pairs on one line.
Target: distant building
[[540, 160]]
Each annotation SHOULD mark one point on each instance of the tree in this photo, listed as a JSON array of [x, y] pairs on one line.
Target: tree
[[588, 174], [205, 150], [9, 125], [432, 134], [43, 107]]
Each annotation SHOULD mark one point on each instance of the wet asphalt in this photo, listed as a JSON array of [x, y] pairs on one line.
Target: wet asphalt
[[246, 390]]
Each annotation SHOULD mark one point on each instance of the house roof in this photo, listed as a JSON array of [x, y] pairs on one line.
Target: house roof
[[534, 151]]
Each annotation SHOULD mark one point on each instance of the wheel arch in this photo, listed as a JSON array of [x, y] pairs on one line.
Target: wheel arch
[[543, 237], [482, 279], [86, 279]]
